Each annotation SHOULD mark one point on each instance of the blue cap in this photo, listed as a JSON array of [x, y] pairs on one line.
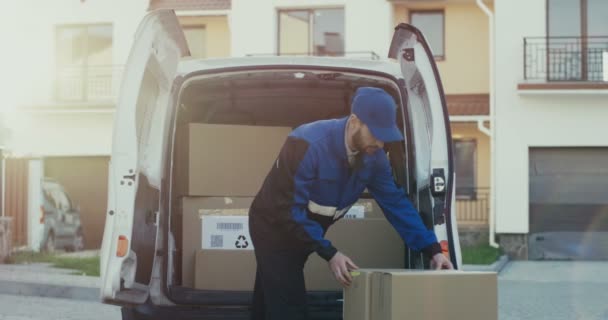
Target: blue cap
[[377, 109]]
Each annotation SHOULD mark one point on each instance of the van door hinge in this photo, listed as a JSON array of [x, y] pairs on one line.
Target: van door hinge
[[152, 217], [408, 54]]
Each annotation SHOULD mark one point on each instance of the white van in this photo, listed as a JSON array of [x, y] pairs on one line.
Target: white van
[[161, 92]]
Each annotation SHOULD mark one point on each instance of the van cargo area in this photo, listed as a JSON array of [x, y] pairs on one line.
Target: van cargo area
[[228, 132]]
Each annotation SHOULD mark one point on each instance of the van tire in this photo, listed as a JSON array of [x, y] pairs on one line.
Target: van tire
[[128, 313], [77, 242]]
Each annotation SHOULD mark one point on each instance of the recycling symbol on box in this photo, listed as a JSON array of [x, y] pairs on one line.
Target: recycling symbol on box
[[241, 242]]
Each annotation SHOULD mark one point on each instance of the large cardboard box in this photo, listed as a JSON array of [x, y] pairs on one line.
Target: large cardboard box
[[225, 160], [421, 294], [194, 208], [357, 297], [371, 243]]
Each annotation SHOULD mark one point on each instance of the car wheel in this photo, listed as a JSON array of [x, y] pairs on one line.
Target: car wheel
[[49, 244], [78, 241]]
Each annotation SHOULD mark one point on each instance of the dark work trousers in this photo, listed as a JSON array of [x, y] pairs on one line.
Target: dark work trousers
[[279, 292]]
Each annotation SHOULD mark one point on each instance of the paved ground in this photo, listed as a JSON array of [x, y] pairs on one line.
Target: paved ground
[[553, 290], [40, 279], [527, 290], [44, 273], [36, 308]]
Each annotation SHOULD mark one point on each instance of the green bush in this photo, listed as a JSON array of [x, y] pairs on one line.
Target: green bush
[[483, 254], [83, 266]]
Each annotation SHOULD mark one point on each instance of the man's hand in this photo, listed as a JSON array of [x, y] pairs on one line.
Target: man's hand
[[341, 266], [439, 261]]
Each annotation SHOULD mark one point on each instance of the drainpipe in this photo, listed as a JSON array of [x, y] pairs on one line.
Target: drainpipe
[[492, 133]]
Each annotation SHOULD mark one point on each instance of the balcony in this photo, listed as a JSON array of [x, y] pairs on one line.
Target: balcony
[[565, 63], [88, 84]]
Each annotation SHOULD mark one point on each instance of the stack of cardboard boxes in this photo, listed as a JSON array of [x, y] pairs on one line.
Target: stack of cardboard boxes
[[421, 294], [220, 168]]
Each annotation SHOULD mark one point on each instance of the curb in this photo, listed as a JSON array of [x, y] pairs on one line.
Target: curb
[[497, 266], [49, 290], [501, 263]]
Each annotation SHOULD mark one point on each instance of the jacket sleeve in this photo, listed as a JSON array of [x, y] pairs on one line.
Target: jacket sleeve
[[400, 212], [296, 166]]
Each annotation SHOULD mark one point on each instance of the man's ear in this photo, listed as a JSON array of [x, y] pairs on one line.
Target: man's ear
[[356, 123]]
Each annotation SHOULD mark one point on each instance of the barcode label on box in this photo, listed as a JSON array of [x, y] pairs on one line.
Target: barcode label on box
[[229, 226], [217, 241], [225, 233], [355, 212]]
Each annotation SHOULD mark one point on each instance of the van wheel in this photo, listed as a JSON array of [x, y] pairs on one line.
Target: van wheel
[[49, 244], [128, 313]]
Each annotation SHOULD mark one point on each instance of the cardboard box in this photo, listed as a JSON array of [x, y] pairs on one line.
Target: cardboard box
[[436, 295], [365, 208], [357, 297], [226, 270], [371, 243], [225, 160], [193, 208]]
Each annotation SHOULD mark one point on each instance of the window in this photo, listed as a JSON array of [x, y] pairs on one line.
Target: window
[[317, 32], [84, 62], [465, 153], [431, 23], [196, 36], [577, 31]]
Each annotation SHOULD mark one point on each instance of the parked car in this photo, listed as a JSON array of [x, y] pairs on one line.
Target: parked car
[[61, 219], [163, 89]]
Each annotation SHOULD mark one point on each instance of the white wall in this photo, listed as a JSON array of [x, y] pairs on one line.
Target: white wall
[[62, 134], [35, 229], [35, 25], [30, 27], [368, 26], [524, 121]]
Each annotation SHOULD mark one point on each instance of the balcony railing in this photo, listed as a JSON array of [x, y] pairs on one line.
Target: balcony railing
[[474, 207], [88, 83], [566, 59]]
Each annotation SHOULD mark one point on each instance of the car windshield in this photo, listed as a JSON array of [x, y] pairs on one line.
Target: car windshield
[[58, 198]]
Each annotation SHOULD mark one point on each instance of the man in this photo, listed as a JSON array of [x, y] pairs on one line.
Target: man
[[321, 170]]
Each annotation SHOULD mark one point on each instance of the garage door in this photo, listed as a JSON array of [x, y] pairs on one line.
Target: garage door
[[85, 179], [568, 203]]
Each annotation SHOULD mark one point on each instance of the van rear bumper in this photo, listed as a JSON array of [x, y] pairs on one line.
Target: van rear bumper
[[148, 311]]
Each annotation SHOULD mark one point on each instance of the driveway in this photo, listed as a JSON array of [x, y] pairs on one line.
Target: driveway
[[553, 290]]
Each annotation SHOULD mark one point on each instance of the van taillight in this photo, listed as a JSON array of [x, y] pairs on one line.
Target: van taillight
[[445, 248], [122, 247], [41, 215]]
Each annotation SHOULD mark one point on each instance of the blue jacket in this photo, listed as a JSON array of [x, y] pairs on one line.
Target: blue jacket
[[311, 186]]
